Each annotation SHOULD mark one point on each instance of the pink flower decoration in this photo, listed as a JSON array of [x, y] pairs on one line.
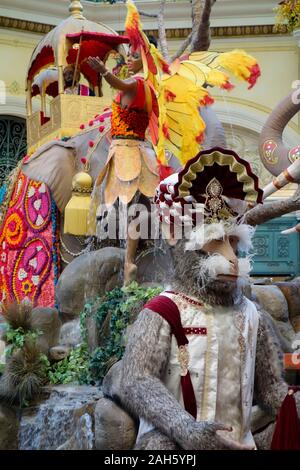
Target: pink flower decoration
[[101, 119], [227, 86], [200, 138], [255, 73], [207, 101], [166, 131]]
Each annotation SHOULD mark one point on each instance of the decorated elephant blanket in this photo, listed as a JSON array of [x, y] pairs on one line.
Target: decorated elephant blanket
[[29, 244]]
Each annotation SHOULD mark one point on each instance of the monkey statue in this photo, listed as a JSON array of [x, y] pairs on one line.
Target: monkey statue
[[200, 351]]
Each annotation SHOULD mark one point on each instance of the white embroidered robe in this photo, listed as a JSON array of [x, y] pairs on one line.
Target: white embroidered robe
[[221, 363]]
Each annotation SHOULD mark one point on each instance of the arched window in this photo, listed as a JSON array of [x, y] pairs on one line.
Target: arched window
[[13, 144]]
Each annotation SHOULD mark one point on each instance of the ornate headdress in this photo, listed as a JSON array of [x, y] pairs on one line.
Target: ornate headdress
[[153, 62], [209, 196], [182, 87]]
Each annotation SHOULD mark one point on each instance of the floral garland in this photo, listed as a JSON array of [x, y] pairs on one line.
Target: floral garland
[[55, 241], [128, 122], [288, 12]]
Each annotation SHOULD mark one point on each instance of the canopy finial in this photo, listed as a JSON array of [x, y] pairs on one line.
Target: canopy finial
[[76, 9]]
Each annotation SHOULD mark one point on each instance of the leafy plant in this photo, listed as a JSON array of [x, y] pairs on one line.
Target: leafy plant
[[288, 12], [71, 369], [16, 338], [114, 313], [24, 375]]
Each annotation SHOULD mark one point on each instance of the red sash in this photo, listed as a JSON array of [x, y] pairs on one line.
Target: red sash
[[170, 312]]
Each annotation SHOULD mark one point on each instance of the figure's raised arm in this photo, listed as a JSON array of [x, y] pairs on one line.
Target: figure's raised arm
[[128, 85]]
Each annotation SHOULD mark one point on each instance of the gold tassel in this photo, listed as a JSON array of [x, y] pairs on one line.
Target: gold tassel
[[78, 208]]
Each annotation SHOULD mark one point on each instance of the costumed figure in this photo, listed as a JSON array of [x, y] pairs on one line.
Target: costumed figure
[[199, 351], [166, 99], [39, 190], [72, 85], [131, 169]]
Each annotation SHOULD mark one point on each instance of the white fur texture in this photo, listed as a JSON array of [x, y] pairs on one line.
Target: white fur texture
[[216, 264], [207, 232]]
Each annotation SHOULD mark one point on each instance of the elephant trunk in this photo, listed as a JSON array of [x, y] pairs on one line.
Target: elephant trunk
[[275, 155]]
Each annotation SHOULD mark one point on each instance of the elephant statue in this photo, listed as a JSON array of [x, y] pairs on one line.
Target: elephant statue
[[33, 246]]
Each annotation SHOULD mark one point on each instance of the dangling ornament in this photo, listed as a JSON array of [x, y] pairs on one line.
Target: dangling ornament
[[78, 208]]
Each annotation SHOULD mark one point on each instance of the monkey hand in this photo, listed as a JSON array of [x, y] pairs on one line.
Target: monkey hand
[[204, 435]]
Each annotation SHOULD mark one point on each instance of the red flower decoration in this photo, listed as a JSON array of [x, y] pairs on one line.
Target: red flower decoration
[[165, 68], [91, 123], [83, 160], [255, 74], [101, 128], [165, 171], [200, 138], [101, 119], [207, 101], [166, 131], [82, 126], [128, 122], [91, 143], [169, 96], [227, 86]]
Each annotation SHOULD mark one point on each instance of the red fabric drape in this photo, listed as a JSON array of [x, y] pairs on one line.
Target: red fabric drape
[[287, 429]]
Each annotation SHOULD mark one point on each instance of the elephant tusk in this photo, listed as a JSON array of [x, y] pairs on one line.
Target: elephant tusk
[[290, 175], [289, 231]]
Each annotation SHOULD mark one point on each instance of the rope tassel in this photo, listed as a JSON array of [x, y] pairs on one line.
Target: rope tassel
[[78, 208]]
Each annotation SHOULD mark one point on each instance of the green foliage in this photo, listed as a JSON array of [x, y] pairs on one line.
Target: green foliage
[[16, 338], [113, 314], [288, 13], [71, 369]]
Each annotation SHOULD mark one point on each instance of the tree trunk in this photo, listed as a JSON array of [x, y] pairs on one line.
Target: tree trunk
[[197, 8], [201, 36], [270, 210], [162, 32]]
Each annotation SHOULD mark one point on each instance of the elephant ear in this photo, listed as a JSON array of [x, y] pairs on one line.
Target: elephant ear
[[53, 164]]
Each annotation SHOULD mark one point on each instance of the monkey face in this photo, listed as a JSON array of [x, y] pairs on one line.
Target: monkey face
[[214, 272]]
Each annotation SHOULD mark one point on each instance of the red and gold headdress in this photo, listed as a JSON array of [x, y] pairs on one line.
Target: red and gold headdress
[[217, 184], [153, 62]]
